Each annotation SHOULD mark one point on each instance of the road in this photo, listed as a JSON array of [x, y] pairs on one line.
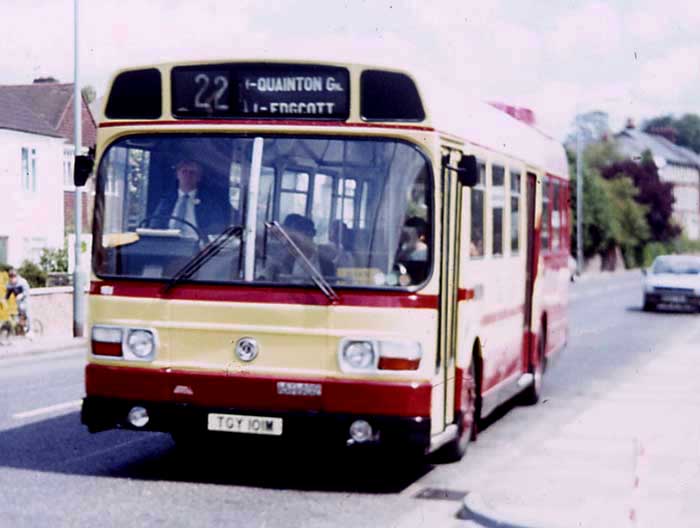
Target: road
[[614, 442]]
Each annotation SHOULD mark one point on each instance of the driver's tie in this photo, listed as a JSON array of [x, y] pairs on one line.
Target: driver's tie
[[181, 213]]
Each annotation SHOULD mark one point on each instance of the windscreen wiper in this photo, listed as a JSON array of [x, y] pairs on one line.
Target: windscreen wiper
[[203, 256], [316, 276]]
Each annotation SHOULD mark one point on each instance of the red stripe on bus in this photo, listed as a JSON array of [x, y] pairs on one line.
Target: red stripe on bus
[[242, 293], [501, 315], [256, 122], [257, 393], [465, 294]]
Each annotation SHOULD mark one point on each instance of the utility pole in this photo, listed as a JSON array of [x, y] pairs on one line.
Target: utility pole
[[78, 297], [579, 199]]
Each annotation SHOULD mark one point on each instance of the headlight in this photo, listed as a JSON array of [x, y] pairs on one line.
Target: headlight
[[141, 344], [358, 355]]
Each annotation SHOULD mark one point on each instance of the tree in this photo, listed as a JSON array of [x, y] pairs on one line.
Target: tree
[[88, 92], [655, 195], [629, 226], [598, 218], [684, 131], [594, 127]]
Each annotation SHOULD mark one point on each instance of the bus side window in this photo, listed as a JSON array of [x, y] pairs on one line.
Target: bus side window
[[544, 228], [556, 215], [514, 212], [498, 195], [476, 246]]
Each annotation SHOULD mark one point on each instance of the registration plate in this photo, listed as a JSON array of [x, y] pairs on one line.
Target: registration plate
[[238, 423], [673, 298]]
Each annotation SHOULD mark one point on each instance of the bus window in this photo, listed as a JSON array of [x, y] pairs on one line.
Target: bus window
[[235, 185], [497, 203], [565, 214], [556, 215], [544, 229], [294, 193], [345, 200], [476, 248], [514, 212], [321, 207]]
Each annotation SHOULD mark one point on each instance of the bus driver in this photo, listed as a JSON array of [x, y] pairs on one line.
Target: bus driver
[[194, 203]]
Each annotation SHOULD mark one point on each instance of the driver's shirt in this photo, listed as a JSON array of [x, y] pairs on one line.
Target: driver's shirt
[[189, 199]]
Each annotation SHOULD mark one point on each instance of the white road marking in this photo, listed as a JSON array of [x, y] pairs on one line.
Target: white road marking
[[66, 406]]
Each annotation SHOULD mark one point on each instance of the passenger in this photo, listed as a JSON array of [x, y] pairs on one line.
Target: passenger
[[282, 262], [413, 242], [338, 251]]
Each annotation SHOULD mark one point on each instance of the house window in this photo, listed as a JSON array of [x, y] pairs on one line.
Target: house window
[[29, 169], [68, 167], [498, 195]]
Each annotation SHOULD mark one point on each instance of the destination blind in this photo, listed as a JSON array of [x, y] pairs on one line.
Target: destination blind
[[255, 91]]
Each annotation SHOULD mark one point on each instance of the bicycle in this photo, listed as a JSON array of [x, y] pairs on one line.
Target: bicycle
[[17, 326]]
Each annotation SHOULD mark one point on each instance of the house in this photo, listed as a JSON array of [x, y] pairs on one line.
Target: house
[[677, 165], [36, 167]]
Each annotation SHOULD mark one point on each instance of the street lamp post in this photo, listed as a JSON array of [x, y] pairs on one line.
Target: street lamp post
[[579, 199], [78, 304]]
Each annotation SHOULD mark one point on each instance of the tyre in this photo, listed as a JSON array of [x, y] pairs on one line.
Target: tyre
[[649, 306], [37, 328], [5, 333], [534, 391], [455, 450]]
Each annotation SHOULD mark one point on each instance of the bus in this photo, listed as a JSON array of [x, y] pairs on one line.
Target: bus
[[311, 251]]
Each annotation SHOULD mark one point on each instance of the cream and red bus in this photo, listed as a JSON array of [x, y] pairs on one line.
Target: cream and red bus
[[352, 266]]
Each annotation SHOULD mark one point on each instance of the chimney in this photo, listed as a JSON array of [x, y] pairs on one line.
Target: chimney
[[630, 124]]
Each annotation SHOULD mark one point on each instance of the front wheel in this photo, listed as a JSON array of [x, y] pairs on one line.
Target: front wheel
[[36, 328], [455, 450], [649, 306]]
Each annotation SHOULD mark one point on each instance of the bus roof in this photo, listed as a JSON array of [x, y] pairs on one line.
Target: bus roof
[[322, 91]]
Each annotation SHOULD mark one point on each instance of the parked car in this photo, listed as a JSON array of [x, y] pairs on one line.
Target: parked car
[[672, 280]]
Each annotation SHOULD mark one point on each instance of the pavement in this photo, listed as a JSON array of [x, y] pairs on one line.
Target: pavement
[[28, 346]]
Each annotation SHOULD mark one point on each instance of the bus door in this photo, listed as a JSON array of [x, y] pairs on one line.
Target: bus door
[[449, 280], [530, 265]]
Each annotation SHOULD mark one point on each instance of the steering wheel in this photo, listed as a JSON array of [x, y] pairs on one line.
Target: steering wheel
[[200, 235]]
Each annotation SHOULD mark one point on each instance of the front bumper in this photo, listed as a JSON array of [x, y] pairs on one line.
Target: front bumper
[[413, 433], [672, 299]]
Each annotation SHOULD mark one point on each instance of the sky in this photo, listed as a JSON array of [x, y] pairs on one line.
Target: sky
[[630, 58]]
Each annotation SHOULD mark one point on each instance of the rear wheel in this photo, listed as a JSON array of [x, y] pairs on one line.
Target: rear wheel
[[5, 331]]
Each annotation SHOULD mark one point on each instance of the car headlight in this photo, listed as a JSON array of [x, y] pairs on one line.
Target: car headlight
[[358, 355], [141, 344]]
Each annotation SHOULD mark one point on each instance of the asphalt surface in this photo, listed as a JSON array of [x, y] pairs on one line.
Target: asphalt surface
[[575, 459]]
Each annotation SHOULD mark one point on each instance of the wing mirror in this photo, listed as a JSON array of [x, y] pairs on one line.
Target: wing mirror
[[82, 168], [467, 169]]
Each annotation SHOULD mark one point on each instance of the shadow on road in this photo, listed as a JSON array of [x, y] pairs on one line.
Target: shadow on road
[[62, 445]]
